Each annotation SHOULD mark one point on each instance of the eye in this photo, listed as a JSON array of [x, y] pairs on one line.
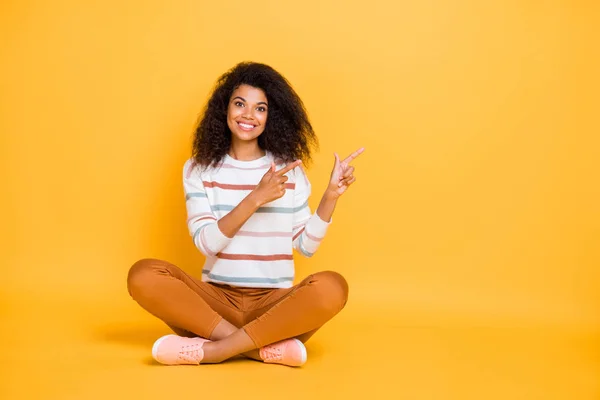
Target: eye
[[239, 104], [262, 109]]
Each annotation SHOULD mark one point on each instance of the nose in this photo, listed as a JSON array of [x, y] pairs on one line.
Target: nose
[[247, 114]]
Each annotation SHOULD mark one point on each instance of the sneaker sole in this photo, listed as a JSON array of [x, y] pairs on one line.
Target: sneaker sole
[[156, 344], [303, 349]]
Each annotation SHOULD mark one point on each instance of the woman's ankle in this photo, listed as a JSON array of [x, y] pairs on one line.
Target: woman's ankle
[[233, 345], [212, 353], [254, 355]]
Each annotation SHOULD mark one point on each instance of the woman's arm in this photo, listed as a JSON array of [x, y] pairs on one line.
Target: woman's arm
[[211, 235], [310, 229], [271, 187], [341, 178], [327, 206]]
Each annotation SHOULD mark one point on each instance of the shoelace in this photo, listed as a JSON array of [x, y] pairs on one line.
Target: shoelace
[[191, 353], [272, 353]]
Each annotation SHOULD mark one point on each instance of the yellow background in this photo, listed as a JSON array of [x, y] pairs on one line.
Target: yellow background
[[470, 239]]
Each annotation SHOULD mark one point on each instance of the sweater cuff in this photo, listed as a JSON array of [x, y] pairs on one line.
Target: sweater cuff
[[316, 226], [216, 240]]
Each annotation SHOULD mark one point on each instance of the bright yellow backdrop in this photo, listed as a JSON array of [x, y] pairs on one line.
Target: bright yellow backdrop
[[475, 207]]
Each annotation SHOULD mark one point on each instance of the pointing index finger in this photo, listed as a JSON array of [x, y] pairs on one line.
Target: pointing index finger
[[353, 155], [288, 167]]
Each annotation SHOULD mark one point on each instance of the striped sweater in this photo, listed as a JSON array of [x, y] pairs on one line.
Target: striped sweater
[[261, 253]]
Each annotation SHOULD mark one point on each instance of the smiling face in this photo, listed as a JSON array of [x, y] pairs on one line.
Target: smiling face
[[247, 113]]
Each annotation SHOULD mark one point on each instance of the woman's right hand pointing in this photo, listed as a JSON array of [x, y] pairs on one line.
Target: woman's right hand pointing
[[272, 186]]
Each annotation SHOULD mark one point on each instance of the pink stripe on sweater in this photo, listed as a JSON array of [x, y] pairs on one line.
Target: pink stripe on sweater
[[203, 218], [255, 257], [264, 234], [299, 225], [311, 237], [230, 186], [247, 169], [205, 214], [298, 234]]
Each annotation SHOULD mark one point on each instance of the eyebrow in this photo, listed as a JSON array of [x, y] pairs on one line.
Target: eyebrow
[[244, 100]]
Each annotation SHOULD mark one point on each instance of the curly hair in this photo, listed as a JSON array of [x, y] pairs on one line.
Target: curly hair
[[288, 133]]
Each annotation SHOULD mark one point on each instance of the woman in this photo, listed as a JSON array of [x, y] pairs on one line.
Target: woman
[[247, 204]]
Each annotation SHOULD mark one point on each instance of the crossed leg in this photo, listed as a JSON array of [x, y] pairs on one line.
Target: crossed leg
[[195, 308]]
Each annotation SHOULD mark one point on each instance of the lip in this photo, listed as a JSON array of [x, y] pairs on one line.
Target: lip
[[248, 127]]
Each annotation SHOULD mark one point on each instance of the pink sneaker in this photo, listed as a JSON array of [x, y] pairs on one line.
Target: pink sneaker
[[178, 350], [289, 352]]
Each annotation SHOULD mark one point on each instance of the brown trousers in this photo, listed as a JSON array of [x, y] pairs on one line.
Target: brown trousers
[[191, 307]]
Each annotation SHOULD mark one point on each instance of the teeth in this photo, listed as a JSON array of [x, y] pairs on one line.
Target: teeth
[[246, 126]]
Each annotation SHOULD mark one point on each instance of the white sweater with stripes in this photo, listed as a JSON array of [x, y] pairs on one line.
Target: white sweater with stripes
[[261, 253]]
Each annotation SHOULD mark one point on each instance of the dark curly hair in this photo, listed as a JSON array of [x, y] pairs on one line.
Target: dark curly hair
[[288, 133]]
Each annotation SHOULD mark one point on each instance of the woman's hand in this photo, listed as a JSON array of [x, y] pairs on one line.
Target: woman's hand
[[272, 185], [342, 175]]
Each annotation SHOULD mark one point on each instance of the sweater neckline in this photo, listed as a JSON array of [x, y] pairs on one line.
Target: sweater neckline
[[258, 162]]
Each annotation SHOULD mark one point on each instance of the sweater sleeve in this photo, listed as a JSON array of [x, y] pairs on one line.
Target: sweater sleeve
[[308, 229], [201, 221]]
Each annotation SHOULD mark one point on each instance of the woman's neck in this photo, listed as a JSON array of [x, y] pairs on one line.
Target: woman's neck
[[246, 151]]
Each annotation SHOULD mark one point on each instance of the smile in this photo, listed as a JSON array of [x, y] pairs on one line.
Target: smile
[[246, 127]]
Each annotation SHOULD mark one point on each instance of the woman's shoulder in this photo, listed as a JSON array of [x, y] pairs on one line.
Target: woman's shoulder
[[300, 175], [192, 169]]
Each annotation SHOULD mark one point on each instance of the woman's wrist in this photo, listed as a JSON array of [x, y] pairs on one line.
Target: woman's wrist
[[327, 205], [331, 194], [254, 200]]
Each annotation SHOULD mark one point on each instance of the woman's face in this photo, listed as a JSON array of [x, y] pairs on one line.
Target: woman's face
[[247, 113]]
